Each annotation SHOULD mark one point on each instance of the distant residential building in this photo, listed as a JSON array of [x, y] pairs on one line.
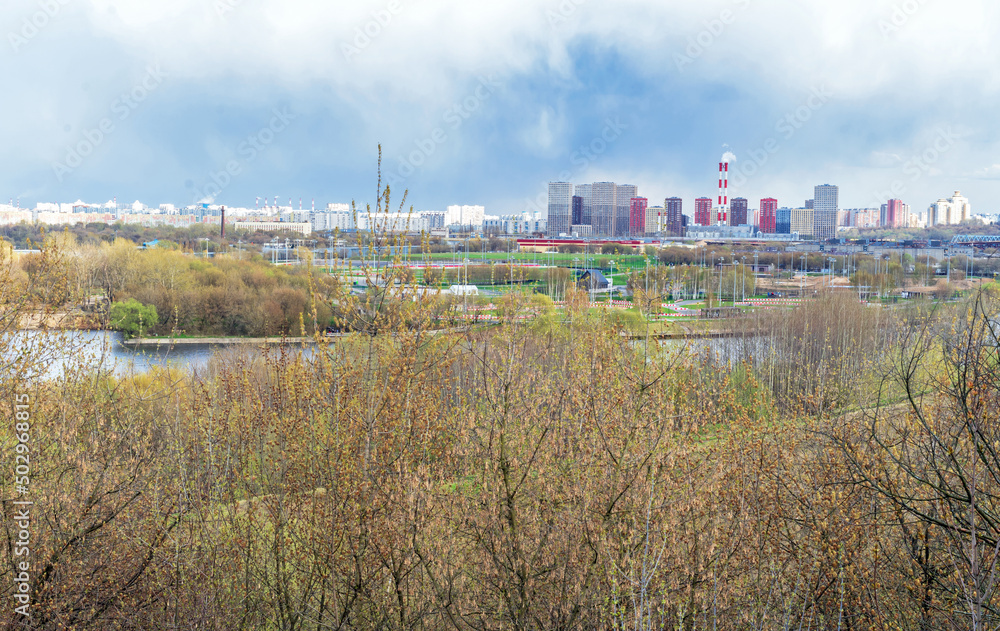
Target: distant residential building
[[951, 211], [577, 213], [273, 226], [768, 215], [329, 221], [801, 221], [471, 216], [826, 203], [894, 214], [524, 223], [653, 217], [864, 217], [673, 221], [560, 203], [604, 202], [435, 219], [810, 203], [743, 232], [703, 211], [585, 193], [623, 208], [637, 215], [783, 221], [738, 211], [607, 207]]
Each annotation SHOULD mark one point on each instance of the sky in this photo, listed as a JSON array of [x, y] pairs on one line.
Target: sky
[[182, 101]]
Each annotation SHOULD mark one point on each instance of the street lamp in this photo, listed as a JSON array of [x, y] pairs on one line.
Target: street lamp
[[802, 291], [734, 280], [744, 277], [611, 281], [721, 260]]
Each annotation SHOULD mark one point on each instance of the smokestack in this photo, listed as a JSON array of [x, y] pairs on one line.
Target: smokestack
[[723, 216], [223, 222]]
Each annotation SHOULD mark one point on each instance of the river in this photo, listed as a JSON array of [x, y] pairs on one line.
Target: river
[[104, 350]]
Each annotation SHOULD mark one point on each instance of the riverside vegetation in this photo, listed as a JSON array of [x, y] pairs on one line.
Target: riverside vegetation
[[837, 468]]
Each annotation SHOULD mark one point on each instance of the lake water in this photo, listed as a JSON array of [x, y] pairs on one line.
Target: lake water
[[105, 350]]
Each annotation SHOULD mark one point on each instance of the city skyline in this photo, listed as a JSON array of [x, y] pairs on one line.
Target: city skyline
[[231, 100]]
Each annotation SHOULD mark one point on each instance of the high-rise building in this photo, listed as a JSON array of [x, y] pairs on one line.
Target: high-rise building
[[703, 211], [738, 211], [654, 214], [768, 215], [637, 216], [603, 207], [560, 208], [802, 221], [470, 216], [893, 214], [826, 204], [810, 203], [623, 208], [783, 221], [950, 211], [585, 193], [577, 212], [674, 221]]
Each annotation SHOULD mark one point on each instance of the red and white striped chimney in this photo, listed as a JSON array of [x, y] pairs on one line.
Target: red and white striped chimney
[[723, 216]]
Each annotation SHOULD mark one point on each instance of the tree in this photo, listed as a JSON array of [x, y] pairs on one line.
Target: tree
[[132, 317], [936, 457]]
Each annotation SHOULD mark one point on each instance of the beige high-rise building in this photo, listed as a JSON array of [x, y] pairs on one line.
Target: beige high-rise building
[[951, 211], [802, 222], [653, 214]]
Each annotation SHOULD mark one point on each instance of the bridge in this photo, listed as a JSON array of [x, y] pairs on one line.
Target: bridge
[[976, 239]]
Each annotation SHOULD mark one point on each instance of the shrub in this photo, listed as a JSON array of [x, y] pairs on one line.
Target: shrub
[[132, 317]]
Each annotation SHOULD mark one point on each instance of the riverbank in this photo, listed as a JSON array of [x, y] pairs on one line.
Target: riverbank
[[704, 335], [214, 341], [160, 342]]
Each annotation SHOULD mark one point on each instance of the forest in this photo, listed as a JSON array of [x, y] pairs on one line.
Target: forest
[[837, 466]]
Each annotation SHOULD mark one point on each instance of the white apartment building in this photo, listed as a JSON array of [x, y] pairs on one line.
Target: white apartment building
[[267, 226], [864, 217], [465, 216], [951, 211]]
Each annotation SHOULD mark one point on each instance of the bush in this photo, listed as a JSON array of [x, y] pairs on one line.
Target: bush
[[132, 317]]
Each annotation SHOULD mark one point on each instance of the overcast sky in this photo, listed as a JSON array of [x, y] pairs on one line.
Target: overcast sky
[[171, 101]]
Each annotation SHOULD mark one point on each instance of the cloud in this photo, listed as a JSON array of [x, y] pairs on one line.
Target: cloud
[[885, 159], [389, 70], [991, 172]]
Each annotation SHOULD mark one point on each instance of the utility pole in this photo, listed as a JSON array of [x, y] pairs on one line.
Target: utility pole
[[720, 276], [734, 280], [743, 276]]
